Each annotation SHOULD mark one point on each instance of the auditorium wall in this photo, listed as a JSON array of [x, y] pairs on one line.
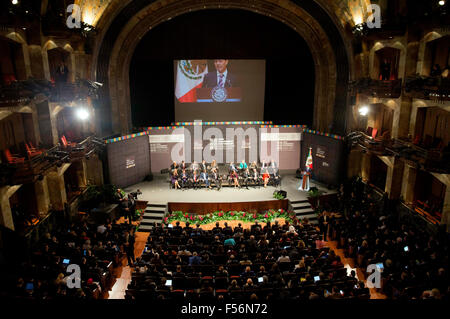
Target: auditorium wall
[[327, 153], [226, 143], [128, 161]]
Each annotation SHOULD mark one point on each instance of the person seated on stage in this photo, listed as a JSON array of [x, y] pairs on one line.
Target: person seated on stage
[[253, 165], [183, 166], [216, 178], [255, 176], [173, 166], [232, 168], [194, 166], [213, 165], [174, 179], [273, 166], [235, 178], [203, 166], [246, 177], [184, 178], [265, 177], [195, 179], [243, 165], [204, 177], [264, 165], [276, 178]]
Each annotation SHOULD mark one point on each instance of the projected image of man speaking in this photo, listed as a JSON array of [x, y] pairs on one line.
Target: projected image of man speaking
[[221, 77]]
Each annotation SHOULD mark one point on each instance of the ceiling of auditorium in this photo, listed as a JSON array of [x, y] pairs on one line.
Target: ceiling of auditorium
[[100, 12]]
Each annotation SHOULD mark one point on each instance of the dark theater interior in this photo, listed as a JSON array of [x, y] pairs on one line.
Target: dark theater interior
[[253, 156]]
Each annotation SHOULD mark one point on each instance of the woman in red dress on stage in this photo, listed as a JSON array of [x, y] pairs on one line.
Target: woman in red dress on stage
[[266, 177]]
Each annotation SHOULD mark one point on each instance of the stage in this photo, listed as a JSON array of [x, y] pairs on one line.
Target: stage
[[158, 192]]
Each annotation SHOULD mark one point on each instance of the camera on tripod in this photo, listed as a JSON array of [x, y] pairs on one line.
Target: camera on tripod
[[136, 193]]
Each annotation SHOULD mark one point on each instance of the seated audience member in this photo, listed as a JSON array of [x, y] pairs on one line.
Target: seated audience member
[[229, 241], [194, 259], [232, 168]]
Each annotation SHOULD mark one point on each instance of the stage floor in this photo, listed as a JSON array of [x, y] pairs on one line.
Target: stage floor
[[158, 192]]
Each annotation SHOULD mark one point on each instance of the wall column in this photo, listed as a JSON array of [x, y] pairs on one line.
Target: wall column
[[42, 196], [6, 218], [365, 166], [404, 117], [445, 220], [94, 171], [57, 188], [409, 182], [394, 179]]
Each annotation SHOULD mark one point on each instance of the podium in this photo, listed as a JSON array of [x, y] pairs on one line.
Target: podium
[[232, 94]]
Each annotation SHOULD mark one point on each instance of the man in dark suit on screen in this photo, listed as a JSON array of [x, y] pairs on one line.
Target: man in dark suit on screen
[[220, 77]]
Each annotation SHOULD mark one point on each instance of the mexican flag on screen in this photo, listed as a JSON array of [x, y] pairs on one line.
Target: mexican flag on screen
[[190, 75]]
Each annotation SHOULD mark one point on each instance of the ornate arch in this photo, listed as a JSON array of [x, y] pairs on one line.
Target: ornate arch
[[325, 40]]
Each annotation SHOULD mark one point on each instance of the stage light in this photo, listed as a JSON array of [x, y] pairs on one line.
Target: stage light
[[82, 114], [441, 3], [363, 110], [15, 1]]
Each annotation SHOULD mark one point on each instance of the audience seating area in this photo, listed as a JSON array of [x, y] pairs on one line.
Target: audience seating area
[[274, 262], [97, 249], [415, 262]]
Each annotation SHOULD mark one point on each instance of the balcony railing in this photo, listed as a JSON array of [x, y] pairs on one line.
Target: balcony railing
[[377, 88], [36, 167], [23, 92], [429, 88], [432, 160]]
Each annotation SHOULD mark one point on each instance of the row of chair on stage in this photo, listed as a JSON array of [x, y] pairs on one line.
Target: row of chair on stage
[[201, 175]]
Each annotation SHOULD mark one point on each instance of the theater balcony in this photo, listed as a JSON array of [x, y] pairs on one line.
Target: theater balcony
[[428, 88], [377, 88]]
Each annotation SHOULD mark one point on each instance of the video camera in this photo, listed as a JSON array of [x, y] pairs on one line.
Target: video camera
[[136, 193]]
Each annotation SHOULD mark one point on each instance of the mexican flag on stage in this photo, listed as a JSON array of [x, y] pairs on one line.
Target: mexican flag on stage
[[309, 160], [190, 75]]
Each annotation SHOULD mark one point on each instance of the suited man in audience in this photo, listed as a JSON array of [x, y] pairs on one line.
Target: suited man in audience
[[227, 230], [255, 228], [221, 77], [238, 229], [187, 228]]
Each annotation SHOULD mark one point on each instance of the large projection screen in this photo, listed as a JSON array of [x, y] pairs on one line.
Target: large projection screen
[[219, 90]]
